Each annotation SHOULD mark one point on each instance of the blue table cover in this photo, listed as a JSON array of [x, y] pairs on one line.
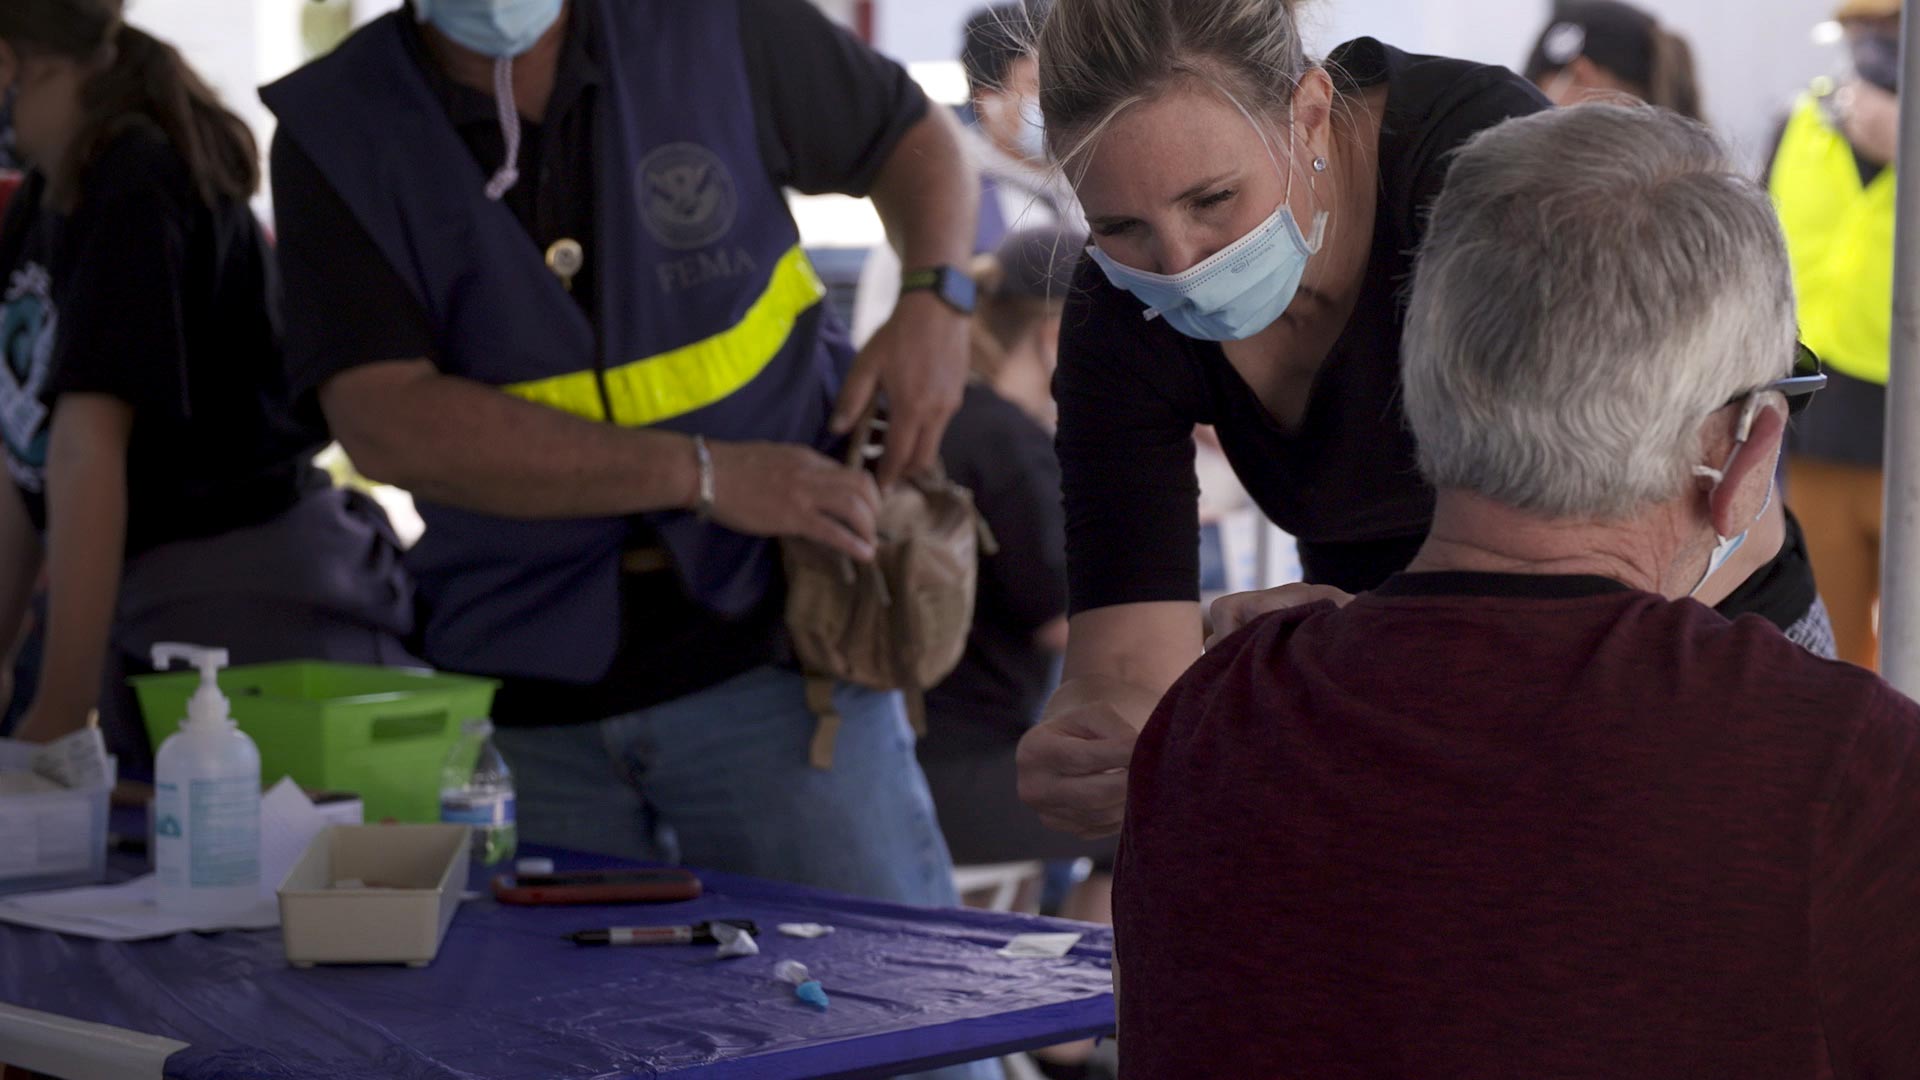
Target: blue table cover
[[508, 998]]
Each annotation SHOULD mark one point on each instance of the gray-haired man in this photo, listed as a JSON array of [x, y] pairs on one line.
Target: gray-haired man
[[1529, 810]]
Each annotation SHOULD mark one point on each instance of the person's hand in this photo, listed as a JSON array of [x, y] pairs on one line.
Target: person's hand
[[919, 360], [1072, 766], [782, 490], [1230, 613], [1871, 118], [1072, 769]]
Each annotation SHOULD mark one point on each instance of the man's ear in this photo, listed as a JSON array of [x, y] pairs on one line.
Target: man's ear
[[1739, 498]]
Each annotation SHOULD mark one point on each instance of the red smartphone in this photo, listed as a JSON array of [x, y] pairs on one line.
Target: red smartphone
[[598, 887]]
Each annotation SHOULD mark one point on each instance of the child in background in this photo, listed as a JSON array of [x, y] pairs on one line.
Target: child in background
[[158, 471]]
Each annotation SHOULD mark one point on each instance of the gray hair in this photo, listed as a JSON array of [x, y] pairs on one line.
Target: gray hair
[[1594, 283], [1098, 57]]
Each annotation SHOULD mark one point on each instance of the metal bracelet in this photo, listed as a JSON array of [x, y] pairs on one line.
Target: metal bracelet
[[703, 457]]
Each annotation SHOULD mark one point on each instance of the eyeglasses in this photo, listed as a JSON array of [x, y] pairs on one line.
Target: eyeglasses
[[1807, 379]]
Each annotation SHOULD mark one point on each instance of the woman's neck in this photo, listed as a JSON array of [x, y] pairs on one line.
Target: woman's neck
[[1354, 166], [1280, 363]]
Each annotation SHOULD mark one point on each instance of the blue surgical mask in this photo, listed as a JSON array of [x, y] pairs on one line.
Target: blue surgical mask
[[496, 28], [1033, 131], [1238, 291]]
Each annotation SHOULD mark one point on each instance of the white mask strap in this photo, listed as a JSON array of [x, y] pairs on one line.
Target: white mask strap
[[509, 172]]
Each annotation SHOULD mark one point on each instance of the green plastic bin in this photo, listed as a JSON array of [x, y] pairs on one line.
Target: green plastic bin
[[379, 732]]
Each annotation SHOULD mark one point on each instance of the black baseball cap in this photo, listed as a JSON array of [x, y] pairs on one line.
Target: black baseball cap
[[1615, 36]]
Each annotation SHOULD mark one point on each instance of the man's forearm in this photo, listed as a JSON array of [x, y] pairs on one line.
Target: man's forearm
[[928, 195], [457, 442]]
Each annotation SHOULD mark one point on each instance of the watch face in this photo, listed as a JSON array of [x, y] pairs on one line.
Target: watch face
[[957, 289]]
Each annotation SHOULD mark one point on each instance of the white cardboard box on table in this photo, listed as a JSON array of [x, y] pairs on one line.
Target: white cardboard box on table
[[407, 883]]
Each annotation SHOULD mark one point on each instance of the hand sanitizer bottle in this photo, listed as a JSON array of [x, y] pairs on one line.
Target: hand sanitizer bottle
[[207, 801]]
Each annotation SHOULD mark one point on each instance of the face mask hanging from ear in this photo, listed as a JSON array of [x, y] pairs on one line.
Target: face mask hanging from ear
[[502, 29], [1727, 545], [1244, 287]]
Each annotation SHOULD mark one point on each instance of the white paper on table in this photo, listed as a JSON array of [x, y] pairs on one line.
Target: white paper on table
[[288, 823], [1040, 946], [78, 762], [124, 912], [130, 912]]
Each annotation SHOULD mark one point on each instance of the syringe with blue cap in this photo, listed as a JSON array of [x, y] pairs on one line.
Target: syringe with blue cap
[[805, 986]]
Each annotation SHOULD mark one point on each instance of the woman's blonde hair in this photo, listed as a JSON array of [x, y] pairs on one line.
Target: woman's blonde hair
[[1098, 57]]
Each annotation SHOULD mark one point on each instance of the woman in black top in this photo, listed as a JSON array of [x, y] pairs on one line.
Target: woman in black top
[[157, 470], [1255, 217]]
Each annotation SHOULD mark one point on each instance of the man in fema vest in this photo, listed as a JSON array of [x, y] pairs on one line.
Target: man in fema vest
[[541, 273]]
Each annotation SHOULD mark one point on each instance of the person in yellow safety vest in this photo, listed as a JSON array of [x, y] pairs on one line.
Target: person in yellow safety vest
[[1832, 178]]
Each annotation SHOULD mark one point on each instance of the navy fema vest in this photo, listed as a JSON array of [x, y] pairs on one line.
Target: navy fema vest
[[711, 316]]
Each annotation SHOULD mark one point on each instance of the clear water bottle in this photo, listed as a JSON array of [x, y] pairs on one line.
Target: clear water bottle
[[476, 789]]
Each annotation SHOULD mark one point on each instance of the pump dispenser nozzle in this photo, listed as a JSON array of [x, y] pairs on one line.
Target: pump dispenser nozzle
[[208, 705]]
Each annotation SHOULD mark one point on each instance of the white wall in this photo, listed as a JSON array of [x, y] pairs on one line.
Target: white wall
[[1754, 55]]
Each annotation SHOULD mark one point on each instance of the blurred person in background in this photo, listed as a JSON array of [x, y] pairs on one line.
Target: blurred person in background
[[158, 471], [1000, 446], [1833, 179], [1597, 48], [1004, 140]]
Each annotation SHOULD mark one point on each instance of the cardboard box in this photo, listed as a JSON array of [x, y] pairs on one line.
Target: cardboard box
[[413, 878]]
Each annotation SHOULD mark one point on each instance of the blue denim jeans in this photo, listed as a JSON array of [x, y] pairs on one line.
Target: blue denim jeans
[[721, 780]]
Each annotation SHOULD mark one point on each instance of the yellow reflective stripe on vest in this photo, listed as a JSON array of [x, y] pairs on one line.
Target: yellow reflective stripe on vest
[[674, 383], [1840, 240]]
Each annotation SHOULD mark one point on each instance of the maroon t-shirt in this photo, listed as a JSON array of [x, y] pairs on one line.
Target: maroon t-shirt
[[1500, 827]]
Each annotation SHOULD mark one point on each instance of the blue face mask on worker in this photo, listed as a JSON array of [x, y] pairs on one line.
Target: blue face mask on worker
[[1239, 290], [1725, 546], [502, 29], [496, 28]]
